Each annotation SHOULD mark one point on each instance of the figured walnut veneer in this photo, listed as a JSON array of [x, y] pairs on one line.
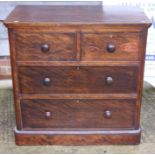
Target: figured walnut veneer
[[77, 73]]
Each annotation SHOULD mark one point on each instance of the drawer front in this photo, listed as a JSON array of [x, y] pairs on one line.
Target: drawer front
[[45, 46], [110, 46], [78, 113], [51, 80]]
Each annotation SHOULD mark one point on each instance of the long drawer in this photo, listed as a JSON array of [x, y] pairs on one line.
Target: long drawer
[[78, 113], [83, 79]]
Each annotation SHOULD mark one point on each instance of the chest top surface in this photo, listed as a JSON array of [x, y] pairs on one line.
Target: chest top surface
[[45, 15]]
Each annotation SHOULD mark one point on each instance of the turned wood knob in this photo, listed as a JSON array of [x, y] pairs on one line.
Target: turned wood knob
[[46, 81], [111, 47], [107, 113], [48, 114], [109, 80], [45, 48]]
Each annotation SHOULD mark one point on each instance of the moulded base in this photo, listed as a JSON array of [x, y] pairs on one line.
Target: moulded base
[[86, 137]]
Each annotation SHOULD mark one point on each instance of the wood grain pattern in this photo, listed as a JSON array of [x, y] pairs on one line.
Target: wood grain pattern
[[99, 137], [78, 80], [61, 70], [14, 75], [62, 46], [76, 113], [94, 46], [78, 63], [141, 75], [79, 96], [71, 15], [72, 28]]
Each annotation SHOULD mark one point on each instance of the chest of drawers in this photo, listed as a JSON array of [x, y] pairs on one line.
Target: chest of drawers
[[77, 73]]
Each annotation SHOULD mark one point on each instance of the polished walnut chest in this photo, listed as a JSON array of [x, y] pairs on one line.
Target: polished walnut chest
[[77, 73]]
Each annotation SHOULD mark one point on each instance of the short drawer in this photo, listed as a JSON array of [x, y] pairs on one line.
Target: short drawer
[[83, 79], [45, 46], [78, 113], [110, 46]]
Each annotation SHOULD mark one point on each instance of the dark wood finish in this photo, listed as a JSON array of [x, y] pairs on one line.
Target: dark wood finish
[[61, 46], [15, 80], [95, 46], [77, 73], [70, 138], [78, 63], [79, 96], [53, 15], [76, 113], [77, 80], [141, 75]]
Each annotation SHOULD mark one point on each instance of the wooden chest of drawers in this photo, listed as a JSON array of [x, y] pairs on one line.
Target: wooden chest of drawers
[[77, 73]]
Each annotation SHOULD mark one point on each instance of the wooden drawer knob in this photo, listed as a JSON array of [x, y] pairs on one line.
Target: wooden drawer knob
[[111, 47], [45, 48], [109, 80], [48, 114], [107, 114], [47, 81]]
